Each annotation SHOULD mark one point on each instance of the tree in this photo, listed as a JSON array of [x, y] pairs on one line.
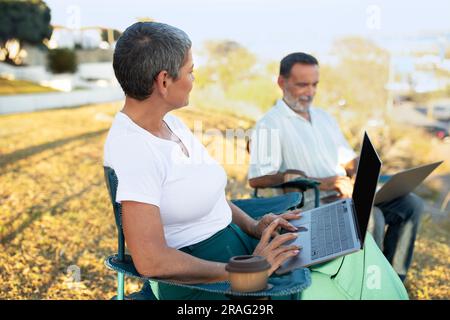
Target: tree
[[228, 61], [238, 73], [61, 60], [358, 79], [110, 35], [22, 22]]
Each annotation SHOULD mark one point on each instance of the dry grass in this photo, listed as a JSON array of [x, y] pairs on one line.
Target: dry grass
[[57, 219], [430, 274], [10, 87]]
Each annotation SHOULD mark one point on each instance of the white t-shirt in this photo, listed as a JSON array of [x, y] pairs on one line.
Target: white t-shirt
[[283, 140], [189, 191]]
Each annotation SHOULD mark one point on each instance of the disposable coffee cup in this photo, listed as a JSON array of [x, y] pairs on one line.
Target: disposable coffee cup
[[248, 273]]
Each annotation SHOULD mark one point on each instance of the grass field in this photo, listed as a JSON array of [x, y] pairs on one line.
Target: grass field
[[57, 223], [10, 87]]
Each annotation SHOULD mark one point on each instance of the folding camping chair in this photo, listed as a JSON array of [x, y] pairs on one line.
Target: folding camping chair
[[302, 184], [280, 286]]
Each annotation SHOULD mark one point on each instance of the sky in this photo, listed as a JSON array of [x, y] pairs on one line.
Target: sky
[[269, 28]]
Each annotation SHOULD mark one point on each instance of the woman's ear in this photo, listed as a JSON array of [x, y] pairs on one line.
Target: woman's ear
[[161, 82]]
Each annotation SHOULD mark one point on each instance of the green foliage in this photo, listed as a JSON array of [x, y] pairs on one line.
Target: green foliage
[[25, 22], [359, 78], [228, 62], [62, 60], [261, 91], [115, 34], [237, 73]]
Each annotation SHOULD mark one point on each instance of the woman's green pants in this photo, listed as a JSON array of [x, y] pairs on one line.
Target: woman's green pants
[[365, 274]]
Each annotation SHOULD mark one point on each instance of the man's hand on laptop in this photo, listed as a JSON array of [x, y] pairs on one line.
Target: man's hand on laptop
[[341, 184], [344, 186]]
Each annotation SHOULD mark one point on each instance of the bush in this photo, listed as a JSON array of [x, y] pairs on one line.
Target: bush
[[62, 60]]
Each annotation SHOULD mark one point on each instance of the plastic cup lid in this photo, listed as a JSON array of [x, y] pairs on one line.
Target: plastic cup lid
[[247, 264]]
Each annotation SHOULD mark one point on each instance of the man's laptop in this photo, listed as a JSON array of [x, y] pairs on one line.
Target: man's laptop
[[338, 228], [404, 182]]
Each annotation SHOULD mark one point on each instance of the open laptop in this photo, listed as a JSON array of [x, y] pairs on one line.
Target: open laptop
[[338, 228], [404, 182]]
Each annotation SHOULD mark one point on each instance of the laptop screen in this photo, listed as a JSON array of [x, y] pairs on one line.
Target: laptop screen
[[365, 185]]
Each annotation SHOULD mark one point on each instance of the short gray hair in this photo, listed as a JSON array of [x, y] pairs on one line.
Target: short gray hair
[[143, 51]]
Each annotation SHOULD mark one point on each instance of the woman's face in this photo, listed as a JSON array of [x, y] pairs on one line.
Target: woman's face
[[179, 90]]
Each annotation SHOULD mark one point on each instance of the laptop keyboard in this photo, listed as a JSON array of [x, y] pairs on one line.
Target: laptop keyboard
[[330, 231]]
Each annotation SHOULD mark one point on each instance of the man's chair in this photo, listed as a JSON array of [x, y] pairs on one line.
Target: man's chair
[[301, 184], [122, 263]]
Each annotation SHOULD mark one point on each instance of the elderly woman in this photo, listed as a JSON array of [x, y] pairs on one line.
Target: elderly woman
[[177, 222]]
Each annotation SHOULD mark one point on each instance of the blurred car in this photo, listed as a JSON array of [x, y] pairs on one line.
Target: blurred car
[[441, 112], [437, 131]]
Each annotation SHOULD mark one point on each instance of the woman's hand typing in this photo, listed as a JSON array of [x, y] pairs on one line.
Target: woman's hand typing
[[274, 250], [284, 223]]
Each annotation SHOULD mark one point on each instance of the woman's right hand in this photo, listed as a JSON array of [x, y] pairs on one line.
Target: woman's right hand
[[274, 251]]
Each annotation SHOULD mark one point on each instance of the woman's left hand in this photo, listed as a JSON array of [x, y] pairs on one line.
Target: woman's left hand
[[267, 219]]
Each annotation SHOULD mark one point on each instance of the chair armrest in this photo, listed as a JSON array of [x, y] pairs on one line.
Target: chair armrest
[[304, 184], [301, 183], [284, 285]]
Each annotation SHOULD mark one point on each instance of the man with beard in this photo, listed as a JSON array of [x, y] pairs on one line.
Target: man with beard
[[295, 139]]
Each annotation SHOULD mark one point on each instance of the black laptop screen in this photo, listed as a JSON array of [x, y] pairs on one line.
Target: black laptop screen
[[365, 184]]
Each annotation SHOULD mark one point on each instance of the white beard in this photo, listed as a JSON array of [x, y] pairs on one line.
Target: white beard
[[296, 106], [299, 108]]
